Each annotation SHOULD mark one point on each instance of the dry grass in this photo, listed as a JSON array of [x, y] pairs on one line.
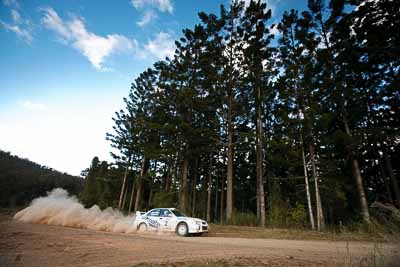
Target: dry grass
[[379, 257], [210, 263], [296, 234]]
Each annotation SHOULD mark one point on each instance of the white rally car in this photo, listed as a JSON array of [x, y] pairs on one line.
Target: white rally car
[[170, 219]]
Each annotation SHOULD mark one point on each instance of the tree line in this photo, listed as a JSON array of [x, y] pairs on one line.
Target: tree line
[[250, 122]]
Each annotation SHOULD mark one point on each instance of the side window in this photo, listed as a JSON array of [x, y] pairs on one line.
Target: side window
[[155, 213], [165, 213]]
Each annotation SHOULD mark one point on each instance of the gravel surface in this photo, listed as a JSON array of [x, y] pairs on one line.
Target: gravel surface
[[23, 244]]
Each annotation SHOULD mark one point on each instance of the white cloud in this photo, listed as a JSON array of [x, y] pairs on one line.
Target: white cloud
[[161, 46], [137, 3], [148, 16], [15, 16], [274, 30], [164, 5], [94, 47], [13, 3], [22, 28], [53, 22], [31, 106], [161, 5], [20, 32], [271, 4]]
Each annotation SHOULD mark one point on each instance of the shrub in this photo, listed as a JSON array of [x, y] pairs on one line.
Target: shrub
[[243, 219], [277, 214], [297, 216]]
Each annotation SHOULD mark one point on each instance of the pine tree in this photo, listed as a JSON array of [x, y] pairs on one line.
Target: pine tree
[[257, 56], [295, 53], [231, 74]]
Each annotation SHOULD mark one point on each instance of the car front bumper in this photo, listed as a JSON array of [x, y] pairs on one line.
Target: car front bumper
[[203, 228]]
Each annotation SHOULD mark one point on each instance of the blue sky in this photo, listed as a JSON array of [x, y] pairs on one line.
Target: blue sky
[[66, 65]]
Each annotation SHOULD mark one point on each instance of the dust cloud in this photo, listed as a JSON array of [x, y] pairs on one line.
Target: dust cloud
[[58, 208]]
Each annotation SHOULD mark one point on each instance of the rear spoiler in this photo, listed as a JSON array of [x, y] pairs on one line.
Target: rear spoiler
[[139, 213]]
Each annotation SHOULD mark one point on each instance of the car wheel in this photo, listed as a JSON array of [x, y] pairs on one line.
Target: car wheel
[[182, 229], [142, 227]]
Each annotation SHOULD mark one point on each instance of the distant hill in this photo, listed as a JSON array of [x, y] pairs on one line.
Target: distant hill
[[22, 180]]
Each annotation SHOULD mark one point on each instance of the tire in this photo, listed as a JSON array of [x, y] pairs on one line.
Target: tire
[[182, 229], [142, 227]]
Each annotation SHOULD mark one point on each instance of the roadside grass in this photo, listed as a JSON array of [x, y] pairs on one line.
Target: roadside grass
[[378, 257], [299, 234], [210, 263], [373, 260], [238, 262]]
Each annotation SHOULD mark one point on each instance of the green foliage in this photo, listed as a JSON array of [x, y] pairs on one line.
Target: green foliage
[[278, 212], [329, 84], [165, 199], [244, 219], [101, 186], [297, 216]]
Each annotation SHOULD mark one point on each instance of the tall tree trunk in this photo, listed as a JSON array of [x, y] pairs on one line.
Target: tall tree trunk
[[384, 180], [229, 173], [309, 204], [221, 212], [125, 193], [150, 199], [222, 206], [176, 170], [138, 195], [209, 190], [204, 195], [355, 168], [183, 202], [258, 200], [132, 194], [259, 160], [320, 213], [151, 182], [360, 188], [168, 177], [393, 180], [195, 172], [121, 195], [143, 171], [229, 127], [216, 198]]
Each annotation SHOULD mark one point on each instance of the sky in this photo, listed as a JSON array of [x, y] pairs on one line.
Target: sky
[[65, 67]]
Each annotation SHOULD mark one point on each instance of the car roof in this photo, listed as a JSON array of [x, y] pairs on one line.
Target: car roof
[[162, 209]]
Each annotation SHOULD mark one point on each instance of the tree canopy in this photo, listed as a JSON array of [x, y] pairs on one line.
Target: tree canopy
[[269, 124]]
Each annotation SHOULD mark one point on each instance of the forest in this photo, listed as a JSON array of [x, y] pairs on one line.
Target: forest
[[287, 124], [22, 180]]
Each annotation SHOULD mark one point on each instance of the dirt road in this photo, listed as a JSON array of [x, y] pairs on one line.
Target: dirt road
[[24, 244]]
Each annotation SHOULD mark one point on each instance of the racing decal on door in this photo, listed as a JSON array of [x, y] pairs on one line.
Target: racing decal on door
[[152, 223]]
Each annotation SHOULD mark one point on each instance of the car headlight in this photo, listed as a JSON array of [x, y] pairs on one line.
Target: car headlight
[[198, 222]]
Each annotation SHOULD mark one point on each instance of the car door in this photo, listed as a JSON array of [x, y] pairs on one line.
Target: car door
[[167, 220], [153, 219]]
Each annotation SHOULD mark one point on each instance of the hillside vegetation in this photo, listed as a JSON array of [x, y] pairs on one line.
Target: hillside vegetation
[[22, 180]]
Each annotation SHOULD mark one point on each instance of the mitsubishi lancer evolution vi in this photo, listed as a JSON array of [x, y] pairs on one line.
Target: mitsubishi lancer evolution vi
[[170, 220]]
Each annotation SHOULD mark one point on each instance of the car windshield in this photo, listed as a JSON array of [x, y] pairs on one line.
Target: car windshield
[[178, 213]]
